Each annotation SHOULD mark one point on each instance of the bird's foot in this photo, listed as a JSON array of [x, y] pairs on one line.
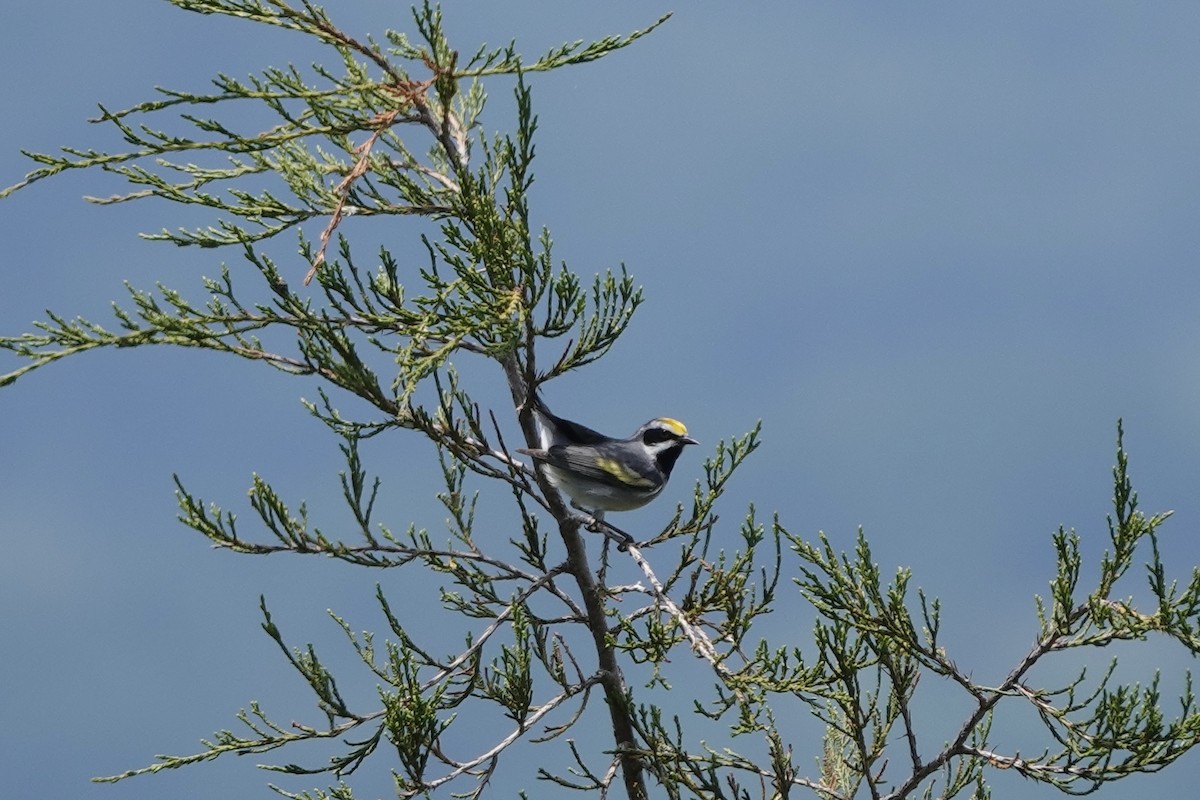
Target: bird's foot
[[595, 522]]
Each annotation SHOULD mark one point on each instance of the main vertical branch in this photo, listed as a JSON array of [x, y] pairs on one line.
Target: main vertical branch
[[616, 694]]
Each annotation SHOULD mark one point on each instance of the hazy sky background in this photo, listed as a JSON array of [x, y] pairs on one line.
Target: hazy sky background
[[937, 248]]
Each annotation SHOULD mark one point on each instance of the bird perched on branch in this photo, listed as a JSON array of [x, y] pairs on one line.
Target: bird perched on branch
[[600, 473]]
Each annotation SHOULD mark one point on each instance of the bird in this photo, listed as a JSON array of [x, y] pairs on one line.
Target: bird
[[601, 473]]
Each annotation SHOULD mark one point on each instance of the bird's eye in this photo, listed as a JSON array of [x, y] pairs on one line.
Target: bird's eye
[[657, 435]]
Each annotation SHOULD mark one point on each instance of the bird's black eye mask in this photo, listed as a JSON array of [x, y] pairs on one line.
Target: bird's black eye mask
[[657, 436]]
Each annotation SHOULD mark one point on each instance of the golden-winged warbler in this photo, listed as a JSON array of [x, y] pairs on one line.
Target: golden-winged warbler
[[600, 473]]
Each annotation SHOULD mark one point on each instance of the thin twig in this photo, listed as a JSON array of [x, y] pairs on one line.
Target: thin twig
[[698, 639]]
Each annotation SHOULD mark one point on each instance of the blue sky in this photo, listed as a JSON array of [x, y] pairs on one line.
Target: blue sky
[[938, 249]]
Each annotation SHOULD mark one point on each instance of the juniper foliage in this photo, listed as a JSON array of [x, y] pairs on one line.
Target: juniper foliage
[[391, 129]]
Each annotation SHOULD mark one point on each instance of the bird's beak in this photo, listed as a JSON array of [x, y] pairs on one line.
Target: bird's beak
[[688, 440]]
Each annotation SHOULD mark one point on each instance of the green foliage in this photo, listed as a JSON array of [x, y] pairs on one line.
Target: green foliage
[[547, 640]]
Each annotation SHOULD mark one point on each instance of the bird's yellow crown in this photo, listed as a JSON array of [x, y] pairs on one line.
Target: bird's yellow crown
[[676, 427]]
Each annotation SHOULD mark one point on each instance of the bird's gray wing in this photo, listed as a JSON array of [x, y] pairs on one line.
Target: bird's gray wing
[[600, 463]]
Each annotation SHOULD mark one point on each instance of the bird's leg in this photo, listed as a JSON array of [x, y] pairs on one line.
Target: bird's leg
[[596, 523]]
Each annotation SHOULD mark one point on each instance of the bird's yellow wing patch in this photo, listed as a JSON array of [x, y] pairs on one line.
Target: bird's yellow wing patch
[[622, 473]]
